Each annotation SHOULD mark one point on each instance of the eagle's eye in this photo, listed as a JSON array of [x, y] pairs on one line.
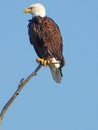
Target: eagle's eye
[[31, 8]]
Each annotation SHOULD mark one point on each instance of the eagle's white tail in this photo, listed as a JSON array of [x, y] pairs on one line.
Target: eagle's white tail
[[56, 73]]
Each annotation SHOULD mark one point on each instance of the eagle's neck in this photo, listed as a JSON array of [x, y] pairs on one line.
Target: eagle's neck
[[37, 19]]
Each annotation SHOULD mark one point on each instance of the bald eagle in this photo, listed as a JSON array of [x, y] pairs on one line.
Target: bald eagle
[[45, 36]]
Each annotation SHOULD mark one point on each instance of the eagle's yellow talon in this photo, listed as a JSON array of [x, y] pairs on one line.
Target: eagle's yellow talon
[[43, 61]]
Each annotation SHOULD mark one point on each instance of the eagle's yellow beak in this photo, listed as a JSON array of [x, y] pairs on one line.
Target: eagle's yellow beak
[[27, 10]]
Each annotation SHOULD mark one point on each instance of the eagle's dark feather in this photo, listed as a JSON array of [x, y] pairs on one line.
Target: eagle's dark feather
[[45, 36]]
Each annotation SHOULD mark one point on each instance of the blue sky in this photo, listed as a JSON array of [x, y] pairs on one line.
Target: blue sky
[[43, 104]]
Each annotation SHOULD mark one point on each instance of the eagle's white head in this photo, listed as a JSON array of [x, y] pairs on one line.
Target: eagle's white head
[[36, 10]]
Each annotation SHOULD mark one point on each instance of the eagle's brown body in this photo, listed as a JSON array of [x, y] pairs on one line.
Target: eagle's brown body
[[45, 36]]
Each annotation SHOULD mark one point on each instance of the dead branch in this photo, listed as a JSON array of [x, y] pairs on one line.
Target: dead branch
[[20, 86]]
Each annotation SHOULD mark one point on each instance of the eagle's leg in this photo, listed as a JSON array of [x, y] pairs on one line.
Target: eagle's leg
[[43, 61]]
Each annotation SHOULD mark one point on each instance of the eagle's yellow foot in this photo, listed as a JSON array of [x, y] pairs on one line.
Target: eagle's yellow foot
[[43, 61]]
